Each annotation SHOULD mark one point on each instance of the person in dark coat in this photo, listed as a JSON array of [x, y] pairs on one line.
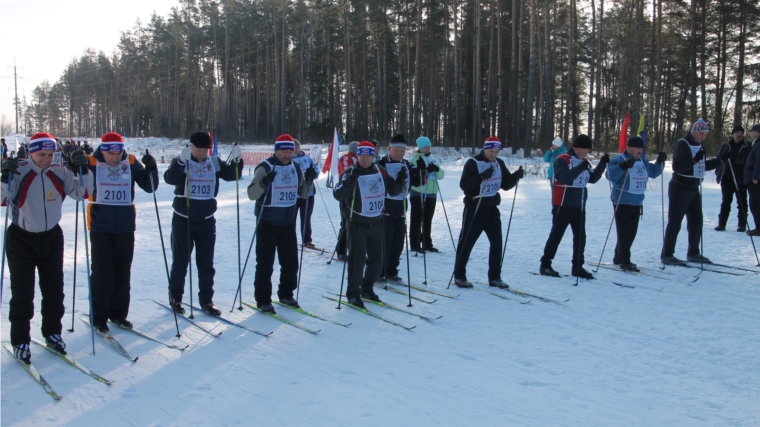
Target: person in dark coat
[[752, 179], [735, 149]]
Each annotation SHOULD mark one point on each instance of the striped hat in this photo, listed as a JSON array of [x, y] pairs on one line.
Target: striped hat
[[112, 142], [284, 142], [492, 143], [41, 141], [398, 141], [699, 126], [365, 147]]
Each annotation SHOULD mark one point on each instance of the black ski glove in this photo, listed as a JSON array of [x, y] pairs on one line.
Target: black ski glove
[[486, 173], [149, 162], [268, 178], [585, 165], [662, 157], [432, 167], [401, 178], [605, 159], [519, 173], [310, 174], [628, 163], [79, 159], [421, 163], [10, 165], [726, 156], [700, 155]]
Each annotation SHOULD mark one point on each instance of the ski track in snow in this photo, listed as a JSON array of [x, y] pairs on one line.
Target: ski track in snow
[[684, 356]]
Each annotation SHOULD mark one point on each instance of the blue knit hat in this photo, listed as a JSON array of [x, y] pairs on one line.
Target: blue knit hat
[[423, 142]]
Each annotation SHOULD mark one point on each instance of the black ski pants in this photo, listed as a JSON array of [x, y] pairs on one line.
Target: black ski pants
[[111, 269], [282, 240], [28, 252], [305, 212], [754, 202], [485, 220], [421, 226], [395, 233], [728, 189], [341, 249], [562, 216], [627, 225], [365, 249], [203, 238], [683, 201]]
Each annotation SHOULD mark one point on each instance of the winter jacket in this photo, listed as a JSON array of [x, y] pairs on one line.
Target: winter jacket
[[36, 195], [396, 207], [279, 216], [471, 183], [348, 193], [739, 153], [752, 167], [346, 161], [683, 162], [304, 162], [429, 185], [199, 209], [551, 156], [617, 176], [569, 191], [116, 219]]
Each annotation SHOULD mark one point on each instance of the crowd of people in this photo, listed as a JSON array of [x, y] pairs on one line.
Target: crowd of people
[[374, 193]]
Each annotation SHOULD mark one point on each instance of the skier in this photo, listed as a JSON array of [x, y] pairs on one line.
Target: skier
[[736, 149], [629, 173], [34, 240], [361, 193], [277, 181], [3, 148], [21, 151], [203, 185], [87, 148], [684, 194], [111, 220], [752, 179], [423, 196], [572, 172], [305, 206], [482, 178], [346, 161], [394, 212], [557, 149]]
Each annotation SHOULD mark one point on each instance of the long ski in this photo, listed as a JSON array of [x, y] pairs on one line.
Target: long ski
[[73, 362], [371, 313], [193, 322], [488, 291], [112, 342], [389, 287], [32, 371], [538, 297], [394, 307], [154, 339], [284, 320], [230, 322], [725, 266], [315, 249], [644, 273], [306, 313], [430, 291], [698, 266]]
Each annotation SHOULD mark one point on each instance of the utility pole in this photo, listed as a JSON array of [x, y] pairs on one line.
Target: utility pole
[[15, 90]]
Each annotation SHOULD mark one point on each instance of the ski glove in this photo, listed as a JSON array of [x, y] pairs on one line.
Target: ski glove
[[421, 163], [726, 156], [10, 166], [628, 163], [149, 162], [487, 173], [432, 167], [236, 154], [185, 154], [310, 173], [585, 165], [700, 155], [354, 175], [402, 175], [605, 159], [519, 173], [79, 159], [662, 157], [268, 178]]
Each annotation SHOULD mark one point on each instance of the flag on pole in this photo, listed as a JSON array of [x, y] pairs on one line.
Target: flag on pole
[[214, 149], [643, 131], [623, 139], [331, 164]]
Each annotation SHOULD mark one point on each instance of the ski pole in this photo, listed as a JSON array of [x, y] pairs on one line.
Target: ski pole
[[237, 206], [406, 240], [349, 247], [447, 219], [421, 241], [580, 238], [328, 210], [189, 237], [509, 224], [701, 234], [255, 230], [662, 206], [87, 261], [743, 209], [74, 285], [163, 247], [303, 233], [5, 233], [622, 189], [465, 236]]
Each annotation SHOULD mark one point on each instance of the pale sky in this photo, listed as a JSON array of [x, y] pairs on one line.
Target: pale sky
[[44, 35]]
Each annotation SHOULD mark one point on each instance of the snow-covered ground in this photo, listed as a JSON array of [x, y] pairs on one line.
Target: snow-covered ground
[[662, 353]]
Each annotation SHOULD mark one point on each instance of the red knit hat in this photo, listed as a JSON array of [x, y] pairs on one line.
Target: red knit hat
[[41, 141], [112, 142], [492, 142], [365, 147], [284, 142]]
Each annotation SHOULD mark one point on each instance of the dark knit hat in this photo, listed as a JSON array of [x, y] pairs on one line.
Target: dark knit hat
[[755, 128], [737, 128], [398, 141], [635, 141], [582, 141], [200, 140], [374, 142]]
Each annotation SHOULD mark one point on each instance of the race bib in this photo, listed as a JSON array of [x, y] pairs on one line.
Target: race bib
[[639, 177], [57, 158], [114, 184], [285, 186], [490, 186], [202, 179], [372, 191], [393, 170], [582, 179], [428, 160]]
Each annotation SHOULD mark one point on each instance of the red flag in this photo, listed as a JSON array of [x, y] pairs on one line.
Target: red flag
[[623, 139]]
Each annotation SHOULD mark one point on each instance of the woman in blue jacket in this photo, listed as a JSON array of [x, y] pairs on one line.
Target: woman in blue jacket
[[629, 173], [557, 149]]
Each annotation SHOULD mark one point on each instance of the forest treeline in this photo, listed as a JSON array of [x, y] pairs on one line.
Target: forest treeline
[[453, 70]]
